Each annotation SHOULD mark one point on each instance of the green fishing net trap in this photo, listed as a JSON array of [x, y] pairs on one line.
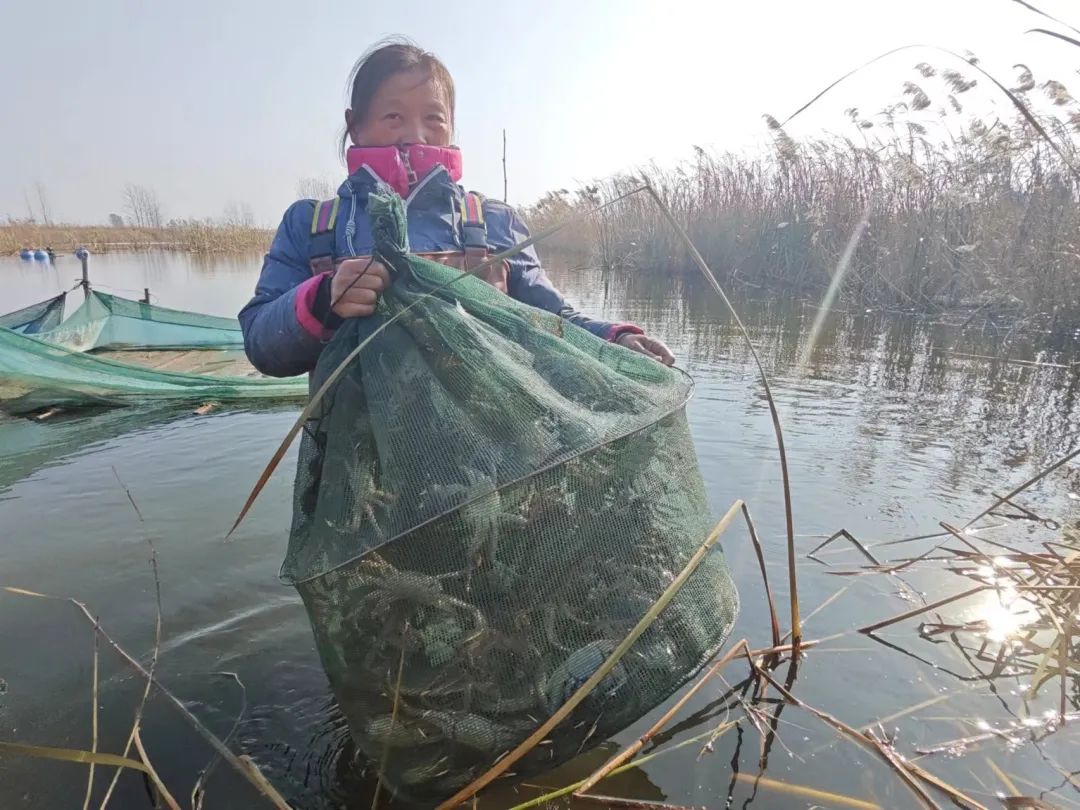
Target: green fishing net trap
[[487, 501]]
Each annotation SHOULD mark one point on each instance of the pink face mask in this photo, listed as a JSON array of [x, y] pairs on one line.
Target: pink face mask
[[401, 166]]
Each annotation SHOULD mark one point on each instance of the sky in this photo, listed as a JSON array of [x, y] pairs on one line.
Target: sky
[[216, 102]]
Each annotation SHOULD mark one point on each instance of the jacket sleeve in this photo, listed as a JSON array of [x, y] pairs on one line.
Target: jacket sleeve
[[282, 337], [529, 284]]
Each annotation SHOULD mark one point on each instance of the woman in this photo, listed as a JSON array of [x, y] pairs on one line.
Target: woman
[[318, 272]]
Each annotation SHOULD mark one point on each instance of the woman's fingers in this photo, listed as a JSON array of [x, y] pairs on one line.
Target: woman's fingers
[[650, 347], [347, 310], [661, 352], [359, 295], [355, 287]]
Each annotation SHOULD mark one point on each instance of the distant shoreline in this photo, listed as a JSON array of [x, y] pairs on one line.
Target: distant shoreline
[[188, 238]]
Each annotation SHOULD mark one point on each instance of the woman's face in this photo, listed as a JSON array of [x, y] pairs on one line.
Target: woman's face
[[408, 107]]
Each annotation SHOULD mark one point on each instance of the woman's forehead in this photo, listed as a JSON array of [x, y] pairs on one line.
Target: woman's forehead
[[416, 84]]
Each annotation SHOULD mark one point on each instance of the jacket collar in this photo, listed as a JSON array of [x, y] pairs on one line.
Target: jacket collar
[[432, 187], [403, 166]]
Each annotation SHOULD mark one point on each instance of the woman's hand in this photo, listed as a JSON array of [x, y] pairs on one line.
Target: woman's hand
[[355, 287], [650, 347]]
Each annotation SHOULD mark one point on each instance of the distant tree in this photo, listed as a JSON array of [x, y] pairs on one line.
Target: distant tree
[[239, 215], [116, 221], [30, 218], [142, 206], [43, 203], [314, 188]]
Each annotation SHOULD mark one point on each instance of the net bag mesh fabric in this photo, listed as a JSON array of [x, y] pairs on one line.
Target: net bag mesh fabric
[[487, 501]]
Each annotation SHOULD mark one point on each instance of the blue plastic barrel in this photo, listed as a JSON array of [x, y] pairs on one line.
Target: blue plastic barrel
[[41, 255], [26, 253]]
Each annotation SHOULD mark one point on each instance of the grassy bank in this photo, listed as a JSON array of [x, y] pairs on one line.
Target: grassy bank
[[988, 217], [191, 237]]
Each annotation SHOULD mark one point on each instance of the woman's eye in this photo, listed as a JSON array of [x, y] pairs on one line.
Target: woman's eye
[[392, 117], [437, 120]]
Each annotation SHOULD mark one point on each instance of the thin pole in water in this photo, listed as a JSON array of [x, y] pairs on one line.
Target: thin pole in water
[[84, 256], [146, 295]]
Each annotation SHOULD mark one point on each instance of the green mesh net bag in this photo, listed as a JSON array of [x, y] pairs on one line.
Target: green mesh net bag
[[487, 501]]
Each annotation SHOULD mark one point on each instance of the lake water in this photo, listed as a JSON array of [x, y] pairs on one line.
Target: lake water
[[893, 423]]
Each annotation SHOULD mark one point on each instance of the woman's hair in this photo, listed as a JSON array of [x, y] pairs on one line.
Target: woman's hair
[[386, 59]]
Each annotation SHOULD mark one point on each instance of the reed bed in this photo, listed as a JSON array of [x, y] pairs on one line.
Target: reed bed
[[948, 216], [193, 237]]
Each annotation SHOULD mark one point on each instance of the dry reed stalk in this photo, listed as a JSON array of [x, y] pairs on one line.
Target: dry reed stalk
[[1042, 13], [1004, 777], [1019, 802], [248, 770], [710, 277], [815, 795], [631, 750], [851, 539], [909, 774], [616, 763], [1030, 482], [630, 804], [157, 638], [159, 786], [586, 688], [198, 791], [905, 712], [71, 755], [870, 628], [393, 722], [93, 722], [568, 789], [774, 622], [836, 595]]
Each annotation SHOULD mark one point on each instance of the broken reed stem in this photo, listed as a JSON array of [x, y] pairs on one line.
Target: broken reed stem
[[870, 628], [774, 621], [850, 538], [586, 688], [796, 626], [93, 721], [1030, 482]]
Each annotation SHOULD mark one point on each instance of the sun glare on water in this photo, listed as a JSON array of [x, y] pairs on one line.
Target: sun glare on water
[[1004, 613]]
